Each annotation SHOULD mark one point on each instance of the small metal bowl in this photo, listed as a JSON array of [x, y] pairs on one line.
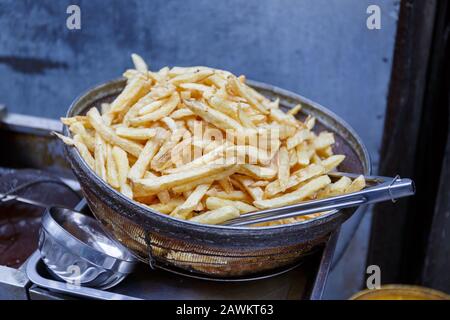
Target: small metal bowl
[[77, 250]]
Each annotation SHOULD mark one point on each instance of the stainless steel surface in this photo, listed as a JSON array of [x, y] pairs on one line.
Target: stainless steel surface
[[217, 251], [38, 293], [13, 284], [75, 249], [64, 287], [389, 189], [30, 124]]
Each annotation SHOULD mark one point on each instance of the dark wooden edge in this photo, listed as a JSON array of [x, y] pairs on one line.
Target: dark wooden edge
[[414, 140]]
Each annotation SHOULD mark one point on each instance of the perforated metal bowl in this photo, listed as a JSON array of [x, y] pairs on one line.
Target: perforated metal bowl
[[214, 251]]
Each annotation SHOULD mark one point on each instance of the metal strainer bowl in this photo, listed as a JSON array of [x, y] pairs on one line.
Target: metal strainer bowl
[[213, 251]]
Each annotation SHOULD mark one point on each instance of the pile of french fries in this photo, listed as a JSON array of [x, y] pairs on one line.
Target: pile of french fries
[[199, 144]]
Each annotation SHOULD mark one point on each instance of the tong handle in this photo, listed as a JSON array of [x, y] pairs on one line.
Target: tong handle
[[391, 189]]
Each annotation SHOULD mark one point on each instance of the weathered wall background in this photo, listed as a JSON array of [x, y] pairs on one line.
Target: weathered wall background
[[321, 49]]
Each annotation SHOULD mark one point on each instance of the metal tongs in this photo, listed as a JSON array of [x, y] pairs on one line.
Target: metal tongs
[[380, 189]]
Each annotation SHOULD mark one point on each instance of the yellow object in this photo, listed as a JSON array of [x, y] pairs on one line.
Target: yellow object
[[400, 292]]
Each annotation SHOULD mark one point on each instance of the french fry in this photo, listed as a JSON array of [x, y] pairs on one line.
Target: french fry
[[246, 184], [149, 186], [157, 96], [106, 115], [201, 161], [163, 196], [144, 159], [213, 203], [229, 108], [168, 207], [295, 110], [196, 87], [325, 153], [283, 131], [310, 122], [151, 107], [135, 89], [216, 80], [136, 133], [162, 91], [258, 118], [332, 162], [83, 119], [78, 128], [111, 169], [206, 180], [283, 167], [261, 183], [139, 63], [149, 200], [217, 118], [192, 77], [191, 202], [295, 179], [257, 172], [81, 147], [324, 140], [127, 190], [283, 118], [245, 119], [293, 160], [298, 138], [181, 113], [334, 189], [234, 195], [226, 184], [158, 114], [130, 74], [316, 159], [164, 156], [251, 153], [109, 135], [123, 167], [176, 71], [294, 197], [217, 216], [304, 153], [100, 157], [170, 123], [244, 91], [358, 184], [258, 96]]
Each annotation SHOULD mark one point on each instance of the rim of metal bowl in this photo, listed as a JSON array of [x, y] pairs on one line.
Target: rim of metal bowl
[[367, 166]]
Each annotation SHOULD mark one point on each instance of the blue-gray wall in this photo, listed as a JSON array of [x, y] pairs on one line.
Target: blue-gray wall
[[319, 48]]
